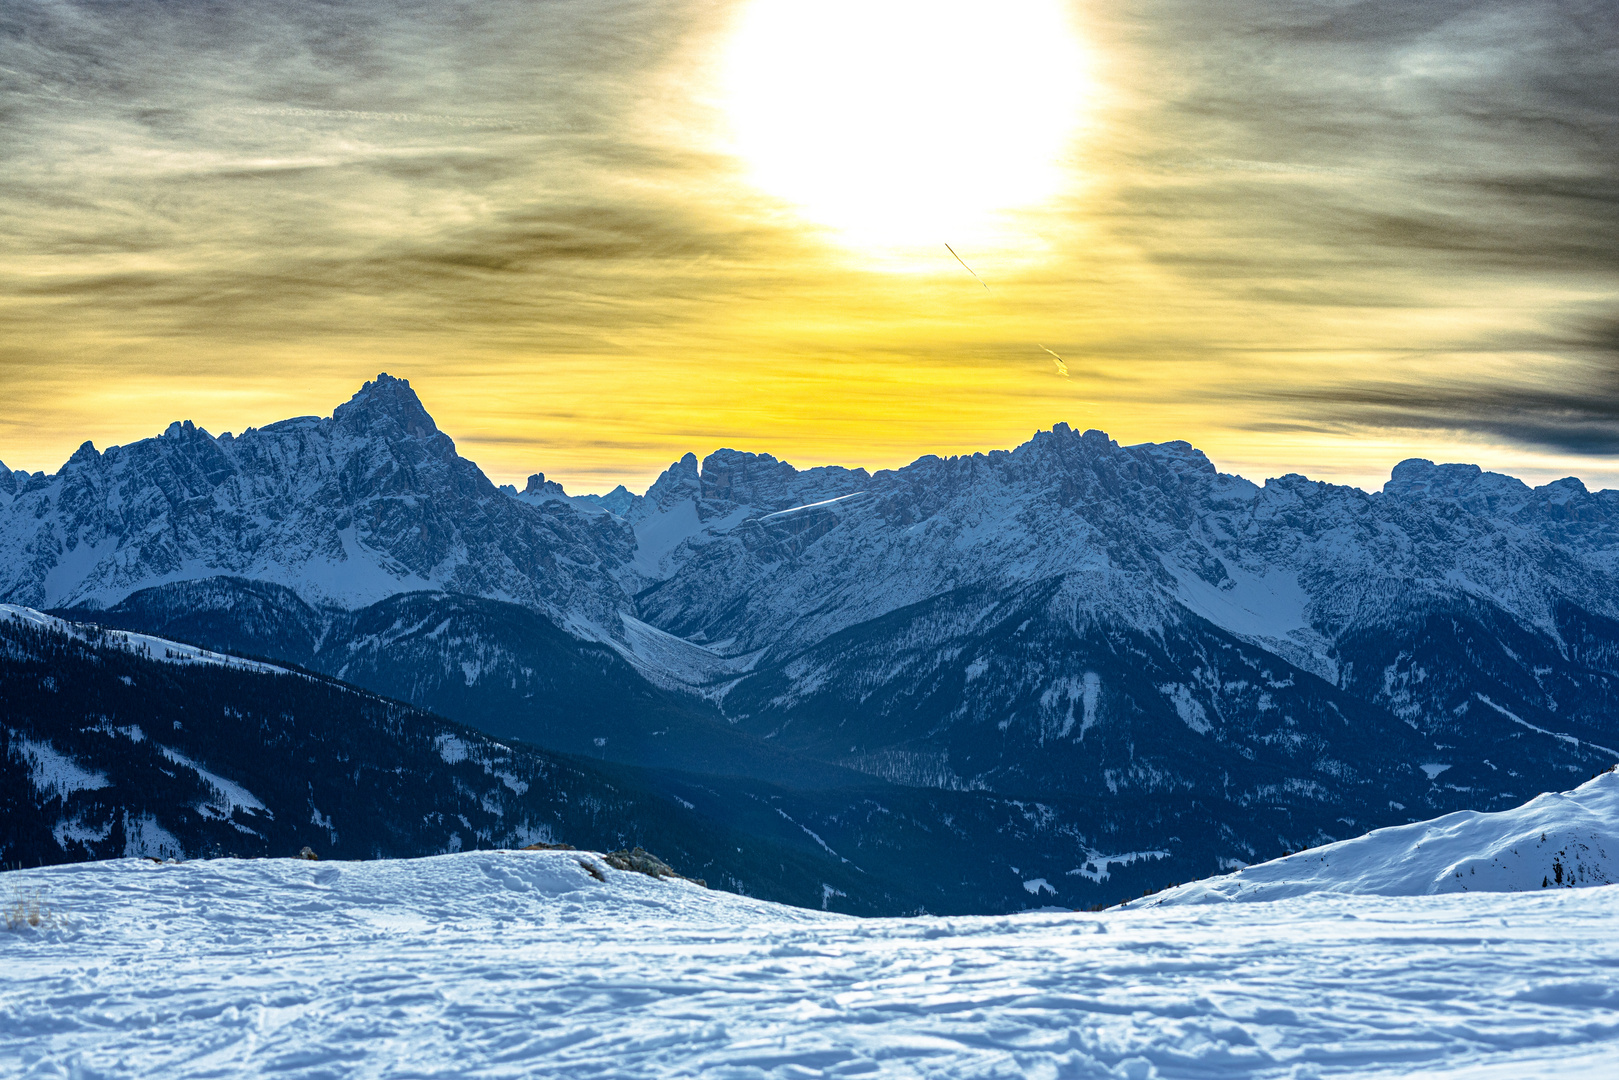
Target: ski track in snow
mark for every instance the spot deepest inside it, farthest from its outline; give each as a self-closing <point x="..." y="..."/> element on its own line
<point x="521" y="964"/>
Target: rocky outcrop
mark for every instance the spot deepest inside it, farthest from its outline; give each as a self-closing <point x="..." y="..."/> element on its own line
<point x="641" y="861"/>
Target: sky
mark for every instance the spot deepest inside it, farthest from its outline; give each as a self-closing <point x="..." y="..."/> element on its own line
<point x="1315" y="236"/>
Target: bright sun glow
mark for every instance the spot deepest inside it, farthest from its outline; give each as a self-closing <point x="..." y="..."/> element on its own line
<point x="906" y="122"/>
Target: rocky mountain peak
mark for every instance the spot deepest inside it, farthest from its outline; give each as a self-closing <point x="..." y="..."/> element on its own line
<point x="679" y="481"/>
<point x="763" y="482"/>
<point x="1560" y="491"/>
<point x="1469" y="485"/>
<point x="619" y="500"/>
<point x="1180" y="457"/>
<point x="371" y="502"/>
<point x="382" y="404"/>
<point x="735" y="475"/>
<point x="540" y="487"/>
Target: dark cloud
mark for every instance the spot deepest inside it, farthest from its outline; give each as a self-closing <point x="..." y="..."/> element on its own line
<point x="1573" y="411"/>
<point x="1371" y="21"/>
<point x="1388" y="155"/>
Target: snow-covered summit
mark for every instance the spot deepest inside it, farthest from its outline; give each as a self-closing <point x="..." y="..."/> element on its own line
<point x="1556" y="840"/>
<point x="618" y="501"/>
<point x="537" y="490"/>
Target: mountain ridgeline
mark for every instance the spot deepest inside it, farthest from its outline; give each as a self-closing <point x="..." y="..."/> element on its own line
<point x="1058" y="674"/>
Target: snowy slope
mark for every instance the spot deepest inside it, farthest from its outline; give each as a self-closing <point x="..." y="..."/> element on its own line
<point x="1556" y="840"/>
<point x="146" y="645"/>
<point x="523" y="964"/>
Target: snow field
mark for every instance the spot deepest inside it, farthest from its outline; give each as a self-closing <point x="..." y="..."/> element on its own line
<point x="521" y="964"/>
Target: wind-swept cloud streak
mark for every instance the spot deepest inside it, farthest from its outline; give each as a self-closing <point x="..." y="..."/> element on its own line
<point x="1575" y="411"/>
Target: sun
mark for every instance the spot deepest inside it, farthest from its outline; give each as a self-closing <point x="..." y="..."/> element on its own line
<point x="898" y="123"/>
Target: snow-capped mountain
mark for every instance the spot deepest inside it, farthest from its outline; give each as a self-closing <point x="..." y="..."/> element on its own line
<point x="1142" y="534"/>
<point x="345" y="510"/>
<point x="1120" y="633"/>
<point x="1079" y="616"/>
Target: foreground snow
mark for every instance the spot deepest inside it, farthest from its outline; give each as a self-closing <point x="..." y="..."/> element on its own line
<point x="524" y="964"/>
<point x="1562" y="839"/>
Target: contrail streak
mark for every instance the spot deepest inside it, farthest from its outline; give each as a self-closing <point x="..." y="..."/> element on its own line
<point x="965" y="267"/>
<point x="1062" y="368"/>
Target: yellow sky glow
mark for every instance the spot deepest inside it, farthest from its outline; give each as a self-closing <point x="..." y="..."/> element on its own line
<point x="596" y="236"/>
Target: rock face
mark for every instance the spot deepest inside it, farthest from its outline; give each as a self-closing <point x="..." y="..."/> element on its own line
<point x="346" y="510"/>
<point x="1121" y="636"/>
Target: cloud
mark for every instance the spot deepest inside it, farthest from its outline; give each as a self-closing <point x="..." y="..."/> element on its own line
<point x="1444" y="135"/>
<point x="1394" y="190"/>
<point x="273" y="153"/>
<point x="1575" y="413"/>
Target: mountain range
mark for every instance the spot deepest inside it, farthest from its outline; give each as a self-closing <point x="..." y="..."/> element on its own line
<point x="1073" y="670"/>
